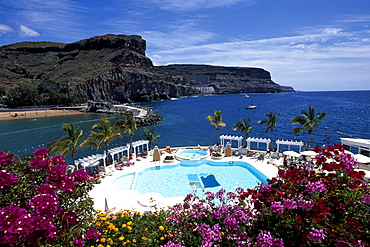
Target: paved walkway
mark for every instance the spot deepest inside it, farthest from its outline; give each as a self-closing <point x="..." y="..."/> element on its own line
<point x="142" y="113"/>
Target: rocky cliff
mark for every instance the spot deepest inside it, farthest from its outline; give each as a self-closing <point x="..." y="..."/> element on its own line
<point x="226" y="79"/>
<point x="113" y="68"/>
<point x="109" y="68"/>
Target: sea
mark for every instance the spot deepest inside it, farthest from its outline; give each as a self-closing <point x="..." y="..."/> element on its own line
<point x="184" y="121"/>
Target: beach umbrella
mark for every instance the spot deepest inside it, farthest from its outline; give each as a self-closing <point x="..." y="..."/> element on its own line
<point x="156" y="154"/>
<point x="228" y="150"/>
<point x="362" y="158"/>
<point x="150" y="199"/>
<point x="291" y="153"/>
<point x="308" y="153"/>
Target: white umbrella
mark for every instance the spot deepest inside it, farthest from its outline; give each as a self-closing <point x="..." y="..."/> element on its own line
<point x="150" y="199"/>
<point x="362" y="158"/>
<point x="291" y="153"/>
<point x="308" y="153"/>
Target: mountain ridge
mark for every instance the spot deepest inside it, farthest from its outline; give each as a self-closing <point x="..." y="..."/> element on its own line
<point x="106" y="68"/>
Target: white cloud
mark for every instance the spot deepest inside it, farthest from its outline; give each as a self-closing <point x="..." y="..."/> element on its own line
<point x="195" y="4"/>
<point x="27" y="32"/>
<point x="5" y="29"/>
<point x="182" y="35"/>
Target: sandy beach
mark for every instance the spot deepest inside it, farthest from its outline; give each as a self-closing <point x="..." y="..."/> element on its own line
<point x="22" y="114"/>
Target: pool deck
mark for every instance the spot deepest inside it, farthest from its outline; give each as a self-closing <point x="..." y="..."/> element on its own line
<point x="106" y="196"/>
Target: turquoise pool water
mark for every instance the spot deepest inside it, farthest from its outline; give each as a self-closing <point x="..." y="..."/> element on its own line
<point x="192" y="154"/>
<point x="186" y="177"/>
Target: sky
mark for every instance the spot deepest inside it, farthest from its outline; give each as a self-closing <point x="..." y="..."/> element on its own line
<point x="311" y="45"/>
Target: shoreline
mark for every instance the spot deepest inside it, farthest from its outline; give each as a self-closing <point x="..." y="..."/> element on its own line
<point x="16" y="114"/>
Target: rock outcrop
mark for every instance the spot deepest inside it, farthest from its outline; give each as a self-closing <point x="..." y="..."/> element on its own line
<point x="143" y="115"/>
<point x="107" y="68"/>
<point x="226" y="80"/>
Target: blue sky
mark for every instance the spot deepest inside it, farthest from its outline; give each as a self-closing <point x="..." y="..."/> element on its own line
<point x="311" y="45"/>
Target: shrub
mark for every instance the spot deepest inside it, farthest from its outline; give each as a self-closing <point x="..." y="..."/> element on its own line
<point x="41" y="202"/>
<point x="216" y="155"/>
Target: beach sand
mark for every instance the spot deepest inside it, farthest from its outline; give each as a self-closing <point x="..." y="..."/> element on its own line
<point x="18" y="114"/>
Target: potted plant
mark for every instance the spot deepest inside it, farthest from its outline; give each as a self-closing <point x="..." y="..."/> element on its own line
<point x="217" y="156"/>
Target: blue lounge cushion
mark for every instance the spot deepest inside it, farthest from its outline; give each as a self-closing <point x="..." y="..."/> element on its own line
<point x="209" y="181"/>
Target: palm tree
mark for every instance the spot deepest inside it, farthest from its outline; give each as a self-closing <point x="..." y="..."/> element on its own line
<point x="308" y="121"/>
<point x="150" y="136"/>
<point x="128" y="124"/>
<point x="69" y="143"/>
<point x="244" y="126"/>
<point x="216" y="121"/>
<point x="270" y="123"/>
<point x="106" y="134"/>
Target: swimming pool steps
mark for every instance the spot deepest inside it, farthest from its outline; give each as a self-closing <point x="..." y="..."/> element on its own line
<point x="134" y="180"/>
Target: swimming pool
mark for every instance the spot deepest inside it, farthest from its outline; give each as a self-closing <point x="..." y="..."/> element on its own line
<point x="192" y="154"/>
<point x="183" y="178"/>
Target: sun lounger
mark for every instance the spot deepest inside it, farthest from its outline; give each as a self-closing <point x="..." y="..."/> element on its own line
<point x="209" y="181"/>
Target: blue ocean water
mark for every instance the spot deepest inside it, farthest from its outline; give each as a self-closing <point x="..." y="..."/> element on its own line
<point x="184" y="120"/>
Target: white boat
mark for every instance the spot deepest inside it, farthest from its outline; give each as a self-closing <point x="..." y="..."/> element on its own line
<point x="250" y="107"/>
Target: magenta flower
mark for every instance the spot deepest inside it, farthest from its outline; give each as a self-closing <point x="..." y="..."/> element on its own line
<point x="316" y="235"/>
<point x="41" y="152"/>
<point x="93" y="234"/>
<point x="59" y="160"/>
<point x="306" y="204"/>
<point x="289" y="204"/>
<point x="210" y="234"/>
<point x="40" y="163"/>
<point x="277" y="207"/>
<point x="366" y="199"/>
<point x="44" y="204"/>
<point x="264" y="239"/>
<point x="14" y="223"/>
<point x="5" y="158"/>
<point x="317" y="187"/>
<point x="7" y="179"/>
<point x="80" y="175"/>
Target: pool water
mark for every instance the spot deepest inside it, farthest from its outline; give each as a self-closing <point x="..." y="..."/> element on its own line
<point x="185" y="177"/>
<point x="192" y="154"/>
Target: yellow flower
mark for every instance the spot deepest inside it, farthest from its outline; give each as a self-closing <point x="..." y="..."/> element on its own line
<point x="129" y="223"/>
<point x="102" y="240"/>
<point x="161" y="228"/>
<point x="162" y="238"/>
<point x="146" y="229"/>
<point x="121" y="238"/>
<point x="129" y="228"/>
<point x="100" y="245"/>
<point x="124" y="226"/>
<point x="144" y="238"/>
<point x="98" y="224"/>
<point x="134" y="240"/>
<point x="103" y="218"/>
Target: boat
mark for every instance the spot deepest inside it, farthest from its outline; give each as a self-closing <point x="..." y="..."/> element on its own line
<point x="251" y="106"/>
